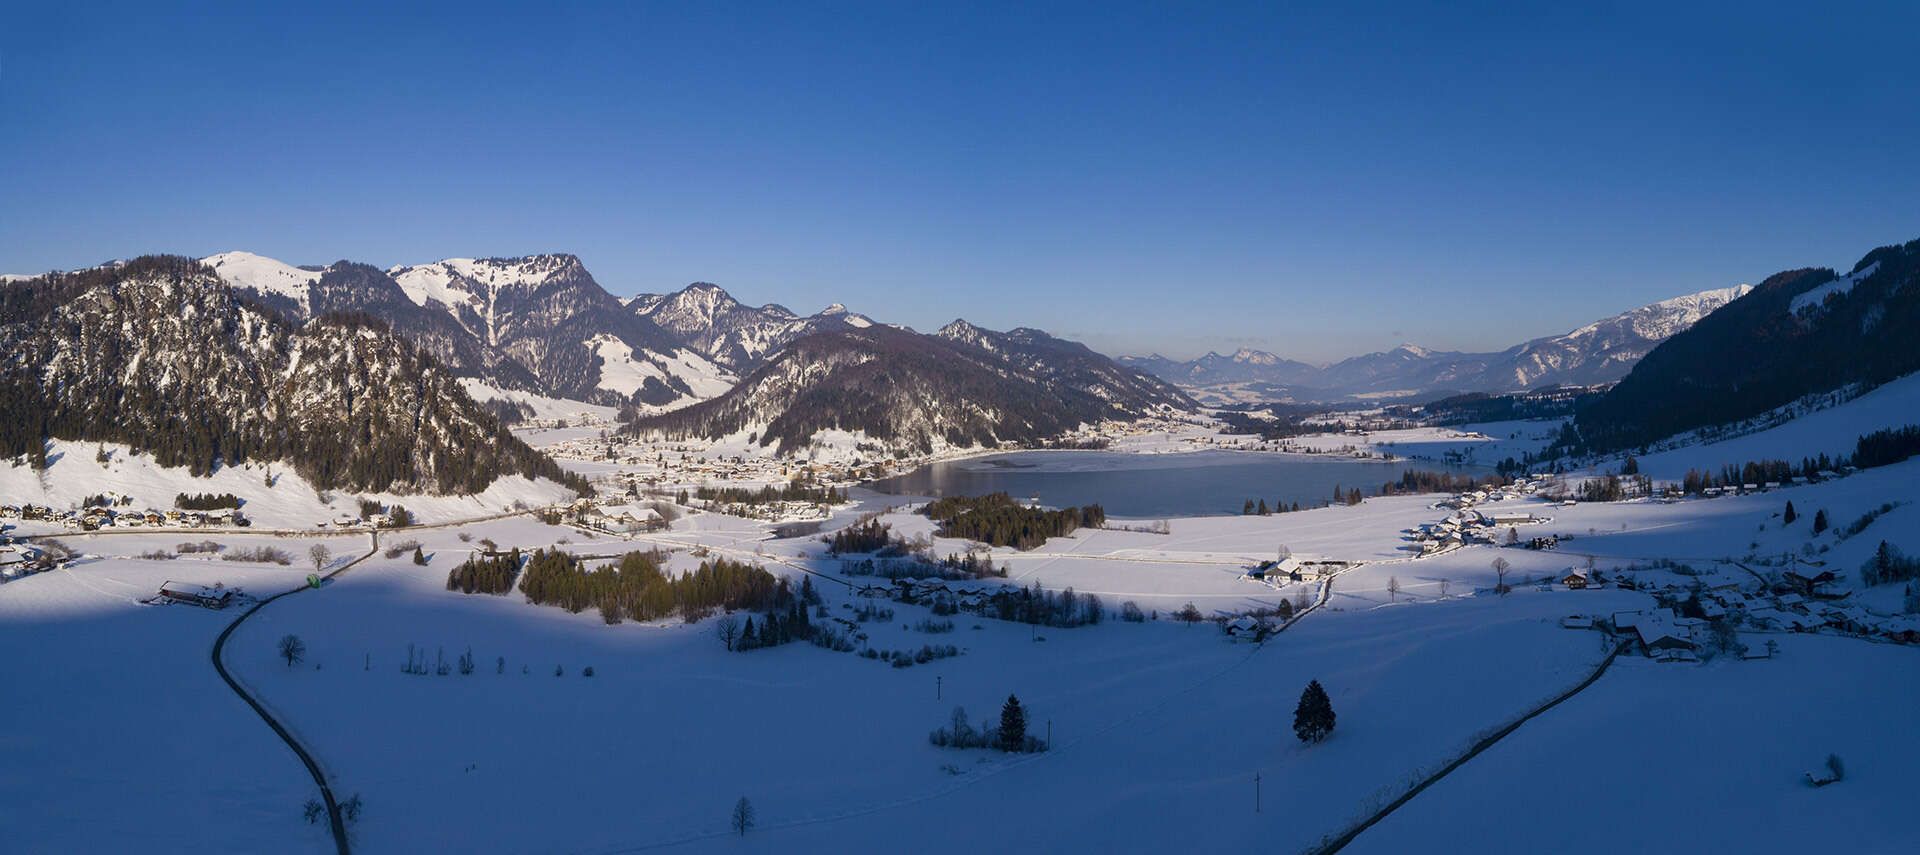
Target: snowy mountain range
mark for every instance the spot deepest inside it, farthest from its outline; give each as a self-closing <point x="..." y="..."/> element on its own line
<point x="893" y="390"/>
<point x="704" y="317"/>
<point x="162" y="355"/>
<point x="1600" y="352"/>
<point x="537" y="323"/>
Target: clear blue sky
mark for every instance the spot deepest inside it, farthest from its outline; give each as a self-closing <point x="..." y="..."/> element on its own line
<point x="1185" y="177"/>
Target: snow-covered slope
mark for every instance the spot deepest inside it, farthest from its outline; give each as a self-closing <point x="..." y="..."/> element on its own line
<point x="263" y="274"/>
<point x="1831" y="431"/>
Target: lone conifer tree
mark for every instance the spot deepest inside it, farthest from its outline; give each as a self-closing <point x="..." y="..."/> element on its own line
<point x="1013" y="725"/>
<point x="1791" y="515"/>
<point x="1313" y="718"/>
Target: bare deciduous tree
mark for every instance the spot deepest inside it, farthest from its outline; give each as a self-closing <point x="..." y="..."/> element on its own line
<point x="321" y="556"/>
<point x="742" y="816"/>
<point x="728" y="630"/>
<point x="292" y="649"/>
<point x="1500" y="568"/>
<point x="1393" y="589"/>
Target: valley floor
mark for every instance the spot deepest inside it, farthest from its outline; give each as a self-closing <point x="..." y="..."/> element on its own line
<point x="1159" y="729"/>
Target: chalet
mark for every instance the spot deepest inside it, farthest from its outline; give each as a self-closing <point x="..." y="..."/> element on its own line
<point x="874" y="591"/>
<point x="1576" y="622"/>
<point x="1576" y="580"/>
<point x="1507" y="517"/>
<point x="1806" y="584"/>
<point x="198" y="595"/>
<point x="1655" y="636"/>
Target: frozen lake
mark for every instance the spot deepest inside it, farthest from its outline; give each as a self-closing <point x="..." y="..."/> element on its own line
<point x="1154" y="485"/>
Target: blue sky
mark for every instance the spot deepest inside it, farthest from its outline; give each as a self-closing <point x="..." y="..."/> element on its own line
<point x="1315" y="181"/>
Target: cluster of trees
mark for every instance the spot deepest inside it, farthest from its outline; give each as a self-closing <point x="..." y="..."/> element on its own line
<point x="485" y="574"/>
<point x="794" y="491"/>
<point x="1262" y="509"/>
<point x="1887" y="446"/>
<point x="971" y="565"/>
<point x="1009" y="735"/>
<point x="869" y="535"/>
<point x="1427" y="481"/>
<point x="205" y="501"/>
<point x="778" y="625"/>
<point x="1889" y="564"/>
<point x="635" y="587"/>
<point x="1750" y="472"/>
<point x="909" y="658"/>
<point x="1038" y="605"/>
<point x="999" y="520"/>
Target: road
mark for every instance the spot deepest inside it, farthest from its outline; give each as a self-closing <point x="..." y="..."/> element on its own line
<point x="334" y="819"/>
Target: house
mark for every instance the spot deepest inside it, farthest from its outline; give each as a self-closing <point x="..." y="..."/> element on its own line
<point x="1656" y="636"/>
<point x="198" y="595"/>
<point x="1808" y="583"/>
<point x="1575" y="581"/>
<point x="1507" y="517"/>
<point x="1576" y="622"/>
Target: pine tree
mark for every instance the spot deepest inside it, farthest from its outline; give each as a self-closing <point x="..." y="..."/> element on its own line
<point x="1263" y="509"/>
<point x="1013" y="725"/>
<point x="1791" y="515"/>
<point x="1247" y="509"/>
<point x="419" y="557"/>
<point x="1313" y="718"/>
<point x="1820" y="521"/>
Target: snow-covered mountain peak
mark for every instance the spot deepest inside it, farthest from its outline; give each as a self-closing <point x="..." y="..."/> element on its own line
<point x="1249" y="356"/>
<point x="262" y="274"/>
<point x="476" y="281"/>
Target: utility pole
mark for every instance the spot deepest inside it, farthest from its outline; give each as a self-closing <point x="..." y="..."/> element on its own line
<point x="936" y="688"/>
<point x="1256" y="792"/>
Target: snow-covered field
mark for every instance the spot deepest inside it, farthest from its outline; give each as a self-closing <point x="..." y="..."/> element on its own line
<point x="114" y="725"/>
<point x="1657" y="758"/>
<point x="1159" y="728"/>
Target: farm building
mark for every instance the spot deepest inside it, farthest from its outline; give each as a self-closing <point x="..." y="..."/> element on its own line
<point x="198" y="595"/>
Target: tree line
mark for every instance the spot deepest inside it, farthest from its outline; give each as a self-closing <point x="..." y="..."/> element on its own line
<point x="998" y="520"/>
<point x="793" y="491"/>
<point x="205" y="501"/>
<point x="636" y="587"/>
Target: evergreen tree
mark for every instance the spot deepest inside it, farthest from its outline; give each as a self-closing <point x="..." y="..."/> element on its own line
<point x="1791" y="515"/>
<point x="1820" y="521"/>
<point x="1264" y="510"/>
<point x="419" y="557"/>
<point x="1013" y="725"/>
<point x="1313" y="718"/>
